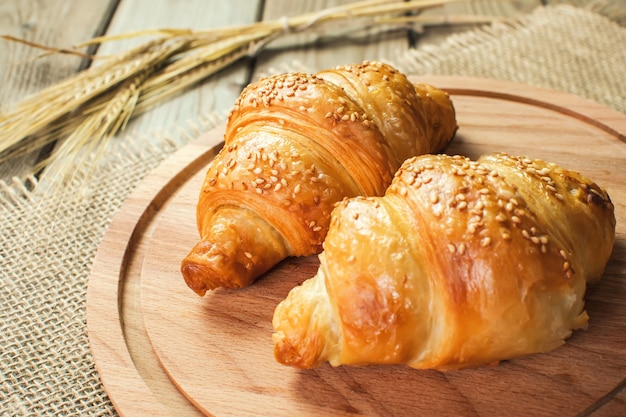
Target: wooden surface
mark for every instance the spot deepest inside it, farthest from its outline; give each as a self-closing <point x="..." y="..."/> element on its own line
<point x="161" y="349"/>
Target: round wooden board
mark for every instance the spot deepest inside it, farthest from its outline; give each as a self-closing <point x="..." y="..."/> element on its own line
<point x="162" y="350"/>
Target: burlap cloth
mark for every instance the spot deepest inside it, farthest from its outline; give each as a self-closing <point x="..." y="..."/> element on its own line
<point x="47" y="242"/>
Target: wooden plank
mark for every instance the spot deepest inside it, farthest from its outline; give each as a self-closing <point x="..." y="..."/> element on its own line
<point x="429" y="34"/>
<point x="215" y="95"/>
<point x="21" y="74"/>
<point x="316" y="52"/>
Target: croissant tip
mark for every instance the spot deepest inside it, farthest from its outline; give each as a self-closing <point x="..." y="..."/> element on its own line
<point x="194" y="277"/>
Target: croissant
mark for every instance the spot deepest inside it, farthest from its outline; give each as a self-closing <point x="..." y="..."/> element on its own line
<point x="460" y="264"/>
<point x="294" y="145"/>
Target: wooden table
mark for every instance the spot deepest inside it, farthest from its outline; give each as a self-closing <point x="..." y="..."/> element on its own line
<point x="63" y="23"/>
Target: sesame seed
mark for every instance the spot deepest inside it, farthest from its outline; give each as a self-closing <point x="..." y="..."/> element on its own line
<point x="461" y="248"/>
<point x="257" y="170"/>
<point x="563" y="254"/>
<point x="451" y="248"/>
<point x="486" y="241"/>
<point x="559" y="196"/>
<point x="351" y="258"/>
<point x="500" y="218"/>
<point x="535" y="240"/>
<point x="317" y="228"/>
<point x="462" y="205"/>
<point x="525" y="234"/>
<point x="544" y="249"/>
<point x="248" y="255"/>
<point x="277" y="187"/>
<point x="566" y="266"/>
<point x="434" y="198"/>
<point x="296" y="189"/>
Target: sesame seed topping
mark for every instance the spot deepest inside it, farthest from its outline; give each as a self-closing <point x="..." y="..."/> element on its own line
<point x="486" y="241"/>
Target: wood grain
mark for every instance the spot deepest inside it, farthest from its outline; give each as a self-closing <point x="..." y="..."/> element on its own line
<point x="215" y="95"/>
<point x="315" y="52"/>
<point x="217" y="350"/>
<point x="21" y="72"/>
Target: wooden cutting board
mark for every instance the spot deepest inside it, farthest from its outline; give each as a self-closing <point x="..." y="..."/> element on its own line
<point x="162" y="350"/>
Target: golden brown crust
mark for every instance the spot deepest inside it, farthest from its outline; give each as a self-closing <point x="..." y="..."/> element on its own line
<point x="297" y="143"/>
<point x="461" y="263"/>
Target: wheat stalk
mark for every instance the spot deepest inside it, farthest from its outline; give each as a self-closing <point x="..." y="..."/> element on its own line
<point x="88" y="108"/>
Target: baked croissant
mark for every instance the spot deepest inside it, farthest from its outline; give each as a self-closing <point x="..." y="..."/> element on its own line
<point x="294" y="145"/>
<point x="461" y="263"/>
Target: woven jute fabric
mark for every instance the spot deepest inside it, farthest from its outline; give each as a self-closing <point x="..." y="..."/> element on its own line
<point x="48" y="240"/>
